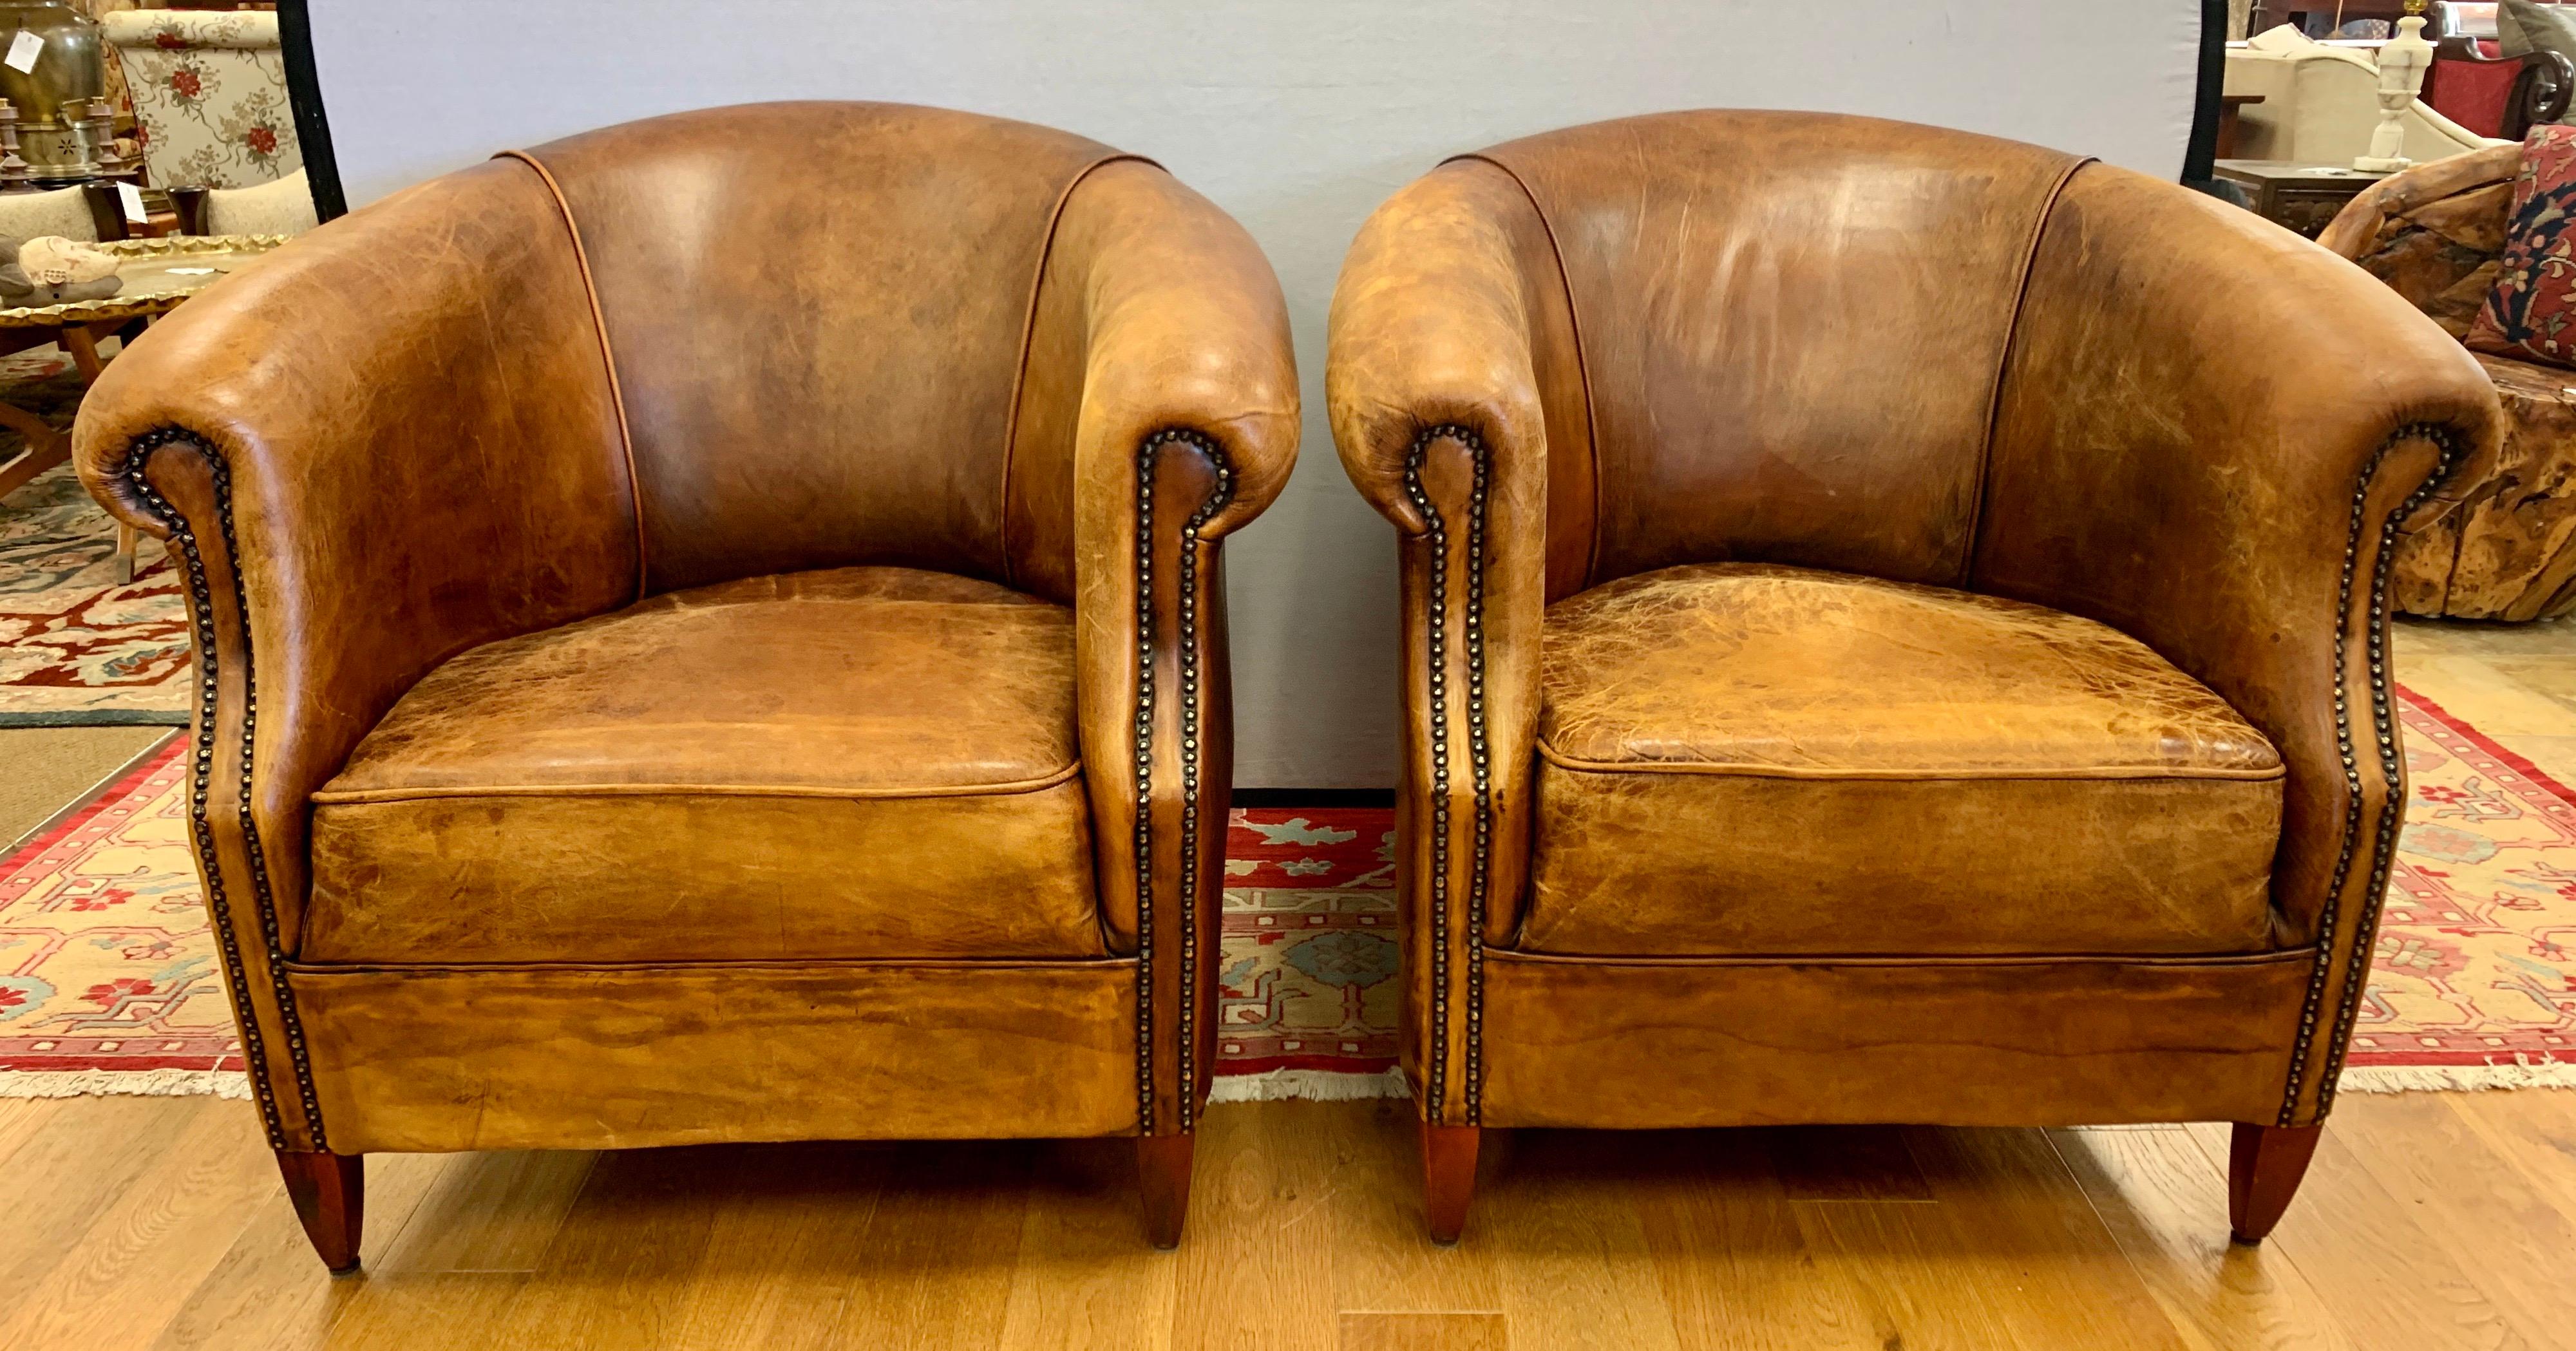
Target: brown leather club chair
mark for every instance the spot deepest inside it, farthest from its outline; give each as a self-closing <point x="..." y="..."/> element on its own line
<point x="1894" y="631"/>
<point x="711" y="630"/>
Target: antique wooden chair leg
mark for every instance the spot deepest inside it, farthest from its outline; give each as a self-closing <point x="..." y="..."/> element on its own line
<point x="330" y="1196"/>
<point x="125" y="550"/>
<point x="2264" y="1165"/>
<point x="1449" y="1177"/>
<point x="83" y="347"/>
<point x="1163" y="1167"/>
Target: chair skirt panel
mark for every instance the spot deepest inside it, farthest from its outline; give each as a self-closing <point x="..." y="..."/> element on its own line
<point x="614" y="1057"/>
<point x="1965" y="1042"/>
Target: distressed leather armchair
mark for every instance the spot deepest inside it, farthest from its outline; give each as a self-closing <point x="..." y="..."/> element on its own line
<point x="1894" y="631"/>
<point x="711" y="630"/>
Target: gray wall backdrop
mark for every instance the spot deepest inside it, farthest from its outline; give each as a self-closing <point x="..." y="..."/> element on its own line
<point x="1299" y="117"/>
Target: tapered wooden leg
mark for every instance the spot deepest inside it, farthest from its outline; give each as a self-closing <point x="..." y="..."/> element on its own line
<point x="1449" y="1177"/>
<point x="1163" y="1169"/>
<point x="330" y="1196"/>
<point x="125" y="550"/>
<point x="83" y="345"/>
<point x="2264" y="1165"/>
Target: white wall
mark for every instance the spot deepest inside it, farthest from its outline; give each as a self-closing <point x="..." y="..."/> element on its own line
<point x="1298" y="116"/>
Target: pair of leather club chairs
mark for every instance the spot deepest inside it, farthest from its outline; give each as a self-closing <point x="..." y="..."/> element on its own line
<point x="713" y="630"/>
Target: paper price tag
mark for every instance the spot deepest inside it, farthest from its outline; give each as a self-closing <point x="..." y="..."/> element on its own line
<point x="131" y="198"/>
<point x="23" y="51"/>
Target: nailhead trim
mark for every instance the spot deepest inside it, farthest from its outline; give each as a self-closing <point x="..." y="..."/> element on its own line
<point x="1437" y="536"/>
<point x="201" y="612"/>
<point x="1190" y="730"/>
<point x="2384" y="725"/>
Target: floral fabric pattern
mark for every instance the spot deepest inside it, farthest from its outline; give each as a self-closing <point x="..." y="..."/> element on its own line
<point x="209" y="96"/>
<point x="2528" y="312"/>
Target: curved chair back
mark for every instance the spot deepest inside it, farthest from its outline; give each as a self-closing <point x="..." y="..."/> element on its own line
<point x="1788" y="327"/>
<point x="818" y="315"/>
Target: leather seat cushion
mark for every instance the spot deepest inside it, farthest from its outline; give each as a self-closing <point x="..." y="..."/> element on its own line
<point x="857" y="763"/>
<point x="1742" y="760"/>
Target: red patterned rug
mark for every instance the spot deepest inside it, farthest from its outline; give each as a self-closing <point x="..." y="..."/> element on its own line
<point x="108" y="983"/>
<point x="78" y="647"/>
<point x="2473" y="984"/>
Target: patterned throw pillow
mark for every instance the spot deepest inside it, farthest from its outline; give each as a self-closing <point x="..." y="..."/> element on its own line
<point x="2531" y="313"/>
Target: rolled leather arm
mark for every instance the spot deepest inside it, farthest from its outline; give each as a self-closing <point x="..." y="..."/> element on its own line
<point x="1436" y="412"/>
<point x="1429" y="329"/>
<point x="1187" y="429"/>
<point x="391" y="441"/>
<point x="2212" y="435"/>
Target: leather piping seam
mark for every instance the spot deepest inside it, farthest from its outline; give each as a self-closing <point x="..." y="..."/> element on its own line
<point x="1732" y="769"/>
<point x="608" y="358"/>
<point x="2003" y="365"/>
<point x="1436" y="536"/>
<point x="138" y="455"/>
<point x="1028" y="338"/>
<point x="788" y="964"/>
<point x="1187" y="897"/>
<point x="2446" y="442"/>
<point x="2285" y="956"/>
<point x="366" y="796"/>
<point x="1582" y="363"/>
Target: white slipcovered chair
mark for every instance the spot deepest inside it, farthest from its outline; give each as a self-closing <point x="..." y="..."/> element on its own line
<point x="2320" y="103"/>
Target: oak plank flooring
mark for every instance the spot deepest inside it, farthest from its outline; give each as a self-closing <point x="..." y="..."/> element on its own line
<point x="2429" y="1221"/>
<point x="2530" y="1131"/>
<point x="258" y="1294"/>
<point x="2152" y="1190"/>
<point x="1082" y="1277"/>
<point x="932" y="1266"/>
<point x="131" y="1268"/>
<point x="625" y="1258"/>
<point x="83" y="1154"/>
<point x="1380" y="1262"/>
<point x="1424" y="1332"/>
<point x="1560" y="1225"/>
<point x="1256" y="1258"/>
<point x="482" y="1213"/>
<point x="2387" y="1280"/>
<point x="2468" y="1197"/>
<point x="1737" y="1269"/>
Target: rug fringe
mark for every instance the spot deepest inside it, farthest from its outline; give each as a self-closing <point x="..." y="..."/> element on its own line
<point x="107" y="1083"/>
<point x="1312" y="1085"/>
<point x="2523" y="1073"/>
<point x="1272" y="1085"/>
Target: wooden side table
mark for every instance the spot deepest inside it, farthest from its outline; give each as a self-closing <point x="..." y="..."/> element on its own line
<point x="2301" y="197"/>
<point x="2230" y="105"/>
<point x="159" y="274"/>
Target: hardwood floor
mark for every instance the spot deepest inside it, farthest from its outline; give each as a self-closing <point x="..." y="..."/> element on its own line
<point x="2430" y="1221"/>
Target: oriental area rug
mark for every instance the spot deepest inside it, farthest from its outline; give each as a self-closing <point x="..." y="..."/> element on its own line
<point x="108" y="981"/>
<point x="78" y="647"/>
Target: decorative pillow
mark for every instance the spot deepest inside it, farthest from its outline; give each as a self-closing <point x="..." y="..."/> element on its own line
<point x="2526" y="25"/>
<point x="2531" y="313"/>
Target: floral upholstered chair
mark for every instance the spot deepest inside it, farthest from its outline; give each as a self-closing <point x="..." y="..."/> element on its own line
<point x="209" y="94"/>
